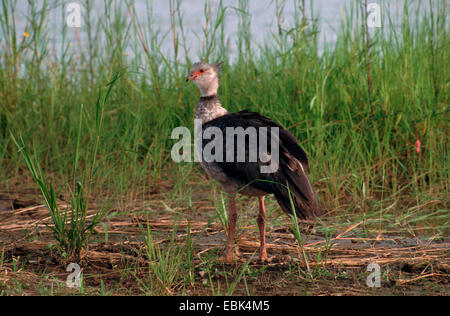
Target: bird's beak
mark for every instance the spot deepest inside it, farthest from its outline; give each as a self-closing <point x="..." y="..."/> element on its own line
<point x="190" y="77"/>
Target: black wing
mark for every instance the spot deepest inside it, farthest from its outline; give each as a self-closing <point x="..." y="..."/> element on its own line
<point x="288" y="182"/>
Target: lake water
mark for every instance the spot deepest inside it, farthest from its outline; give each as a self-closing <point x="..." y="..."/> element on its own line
<point x="262" y="12"/>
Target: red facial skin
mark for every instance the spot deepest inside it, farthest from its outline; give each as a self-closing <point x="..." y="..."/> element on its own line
<point x="195" y="75"/>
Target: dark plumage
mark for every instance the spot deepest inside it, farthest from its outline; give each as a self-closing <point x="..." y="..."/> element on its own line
<point x="293" y="163"/>
<point x="287" y="181"/>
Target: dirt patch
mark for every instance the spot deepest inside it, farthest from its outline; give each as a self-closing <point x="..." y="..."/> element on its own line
<point x="116" y="260"/>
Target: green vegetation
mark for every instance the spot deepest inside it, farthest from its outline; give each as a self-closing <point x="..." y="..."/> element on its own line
<point x="93" y="117"/>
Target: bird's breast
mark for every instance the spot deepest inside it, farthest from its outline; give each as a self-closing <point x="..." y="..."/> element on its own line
<point x="207" y="111"/>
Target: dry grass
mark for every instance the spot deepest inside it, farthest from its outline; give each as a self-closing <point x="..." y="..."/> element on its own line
<point x="116" y="255"/>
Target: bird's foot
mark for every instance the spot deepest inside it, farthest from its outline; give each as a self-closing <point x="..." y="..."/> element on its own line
<point x="228" y="255"/>
<point x="264" y="258"/>
<point x="226" y="259"/>
<point x="231" y="253"/>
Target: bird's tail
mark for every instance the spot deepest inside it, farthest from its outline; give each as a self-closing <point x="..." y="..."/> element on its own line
<point x="298" y="193"/>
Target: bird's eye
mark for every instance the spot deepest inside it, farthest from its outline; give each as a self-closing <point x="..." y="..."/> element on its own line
<point x="202" y="70"/>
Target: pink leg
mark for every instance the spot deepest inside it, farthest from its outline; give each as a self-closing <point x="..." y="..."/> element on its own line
<point x="232" y="217"/>
<point x="262" y="229"/>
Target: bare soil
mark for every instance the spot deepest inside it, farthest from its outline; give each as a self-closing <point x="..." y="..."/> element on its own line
<point x="116" y="256"/>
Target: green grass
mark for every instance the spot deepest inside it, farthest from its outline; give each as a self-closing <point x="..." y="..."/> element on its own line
<point x="71" y="229"/>
<point x="357" y="106"/>
<point x="361" y="140"/>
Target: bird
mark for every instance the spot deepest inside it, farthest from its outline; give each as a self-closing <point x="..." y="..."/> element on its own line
<point x="287" y="179"/>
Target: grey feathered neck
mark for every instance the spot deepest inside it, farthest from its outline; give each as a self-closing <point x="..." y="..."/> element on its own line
<point x="209" y="108"/>
<point x="209" y="98"/>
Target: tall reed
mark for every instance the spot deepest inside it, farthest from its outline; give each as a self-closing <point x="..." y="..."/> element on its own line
<point x="370" y="108"/>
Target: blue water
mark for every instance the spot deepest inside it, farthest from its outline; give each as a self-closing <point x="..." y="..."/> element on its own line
<point x="262" y="13"/>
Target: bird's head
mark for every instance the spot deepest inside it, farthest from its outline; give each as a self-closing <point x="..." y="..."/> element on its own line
<point x="206" y="77"/>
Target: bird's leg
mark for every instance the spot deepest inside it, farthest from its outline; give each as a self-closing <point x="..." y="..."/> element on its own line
<point x="262" y="229"/>
<point x="232" y="217"/>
